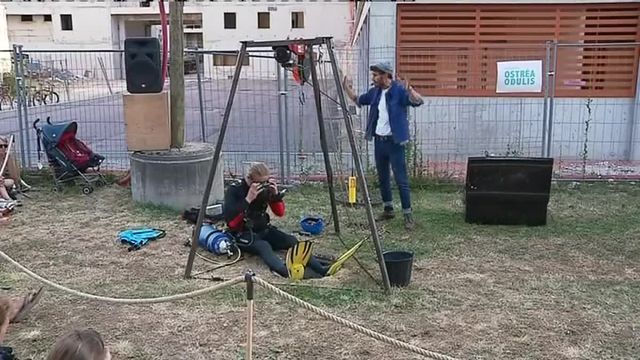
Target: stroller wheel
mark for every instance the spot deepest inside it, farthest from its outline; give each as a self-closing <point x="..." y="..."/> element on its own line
<point x="87" y="190"/>
<point x="57" y="189"/>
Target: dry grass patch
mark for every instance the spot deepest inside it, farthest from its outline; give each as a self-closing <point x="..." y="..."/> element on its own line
<point x="564" y="291"/>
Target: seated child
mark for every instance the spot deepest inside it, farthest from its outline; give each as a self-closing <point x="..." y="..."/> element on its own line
<point x="86" y="344"/>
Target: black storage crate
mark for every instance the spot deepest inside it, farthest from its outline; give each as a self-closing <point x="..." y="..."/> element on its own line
<point x="508" y="190"/>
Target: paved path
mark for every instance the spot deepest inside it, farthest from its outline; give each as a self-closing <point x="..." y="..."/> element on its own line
<point x="253" y="127"/>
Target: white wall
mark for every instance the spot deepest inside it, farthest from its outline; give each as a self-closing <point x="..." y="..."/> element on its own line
<point x="91" y="31"/>
<point x="326" y="18"/>
<point x="320" y="19"/>
<point x="37" y="31"/>
<point x="610" y="121"/>
<point x="95" y="27"/>
<point x="453" y="128"/>
<point x="634" y="132"/>
<point x="5" y="57"/>
<point x="135" y="28"/>
<point x="91" y="25"/>
<point x="91" y="28"/>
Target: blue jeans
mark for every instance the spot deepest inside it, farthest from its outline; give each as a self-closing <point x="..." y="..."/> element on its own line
<point x="389" y="154"/>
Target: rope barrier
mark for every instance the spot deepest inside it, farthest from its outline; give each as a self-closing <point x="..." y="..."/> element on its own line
<point x="156" y="300"/>
<point x="351" y="325"/>
<point x="248" y="278"/>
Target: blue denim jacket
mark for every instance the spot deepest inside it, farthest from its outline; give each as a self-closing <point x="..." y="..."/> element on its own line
<point x="397" y="102"/>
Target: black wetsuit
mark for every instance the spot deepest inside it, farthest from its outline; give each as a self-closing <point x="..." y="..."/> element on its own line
<point x="250" y="224"/>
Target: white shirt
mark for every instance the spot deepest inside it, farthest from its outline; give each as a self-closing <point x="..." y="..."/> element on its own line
<point x="382" y="127"/>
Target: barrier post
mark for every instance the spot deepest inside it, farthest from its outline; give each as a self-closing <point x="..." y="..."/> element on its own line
<point x="248" y="278"/>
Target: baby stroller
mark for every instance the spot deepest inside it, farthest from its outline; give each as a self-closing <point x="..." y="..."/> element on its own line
<point x="69" y="157"/>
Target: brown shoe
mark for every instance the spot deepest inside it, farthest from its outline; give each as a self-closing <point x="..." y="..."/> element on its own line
<point x="386" y="215"/>
<point x="409" y="223"/>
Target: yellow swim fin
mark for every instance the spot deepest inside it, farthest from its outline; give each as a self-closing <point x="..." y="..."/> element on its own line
<point x="298" y="258"/>
<point x="337" y="265"/>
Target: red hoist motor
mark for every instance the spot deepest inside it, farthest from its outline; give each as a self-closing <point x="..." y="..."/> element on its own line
<point x="284" y="56"/>
<point x="299" y="74"/>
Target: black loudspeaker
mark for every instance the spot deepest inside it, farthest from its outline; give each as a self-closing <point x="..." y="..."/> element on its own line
<point x="143" y="65"/>
<point x="508" y="191"/>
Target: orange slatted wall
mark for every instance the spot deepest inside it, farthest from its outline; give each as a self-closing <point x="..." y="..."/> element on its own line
<point x="451" y="50"/>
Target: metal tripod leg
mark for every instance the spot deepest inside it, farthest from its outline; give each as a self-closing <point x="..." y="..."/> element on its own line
<point x="359" y="168"/>
<point x="215" y="161"/>
<point x="323" y="139"/>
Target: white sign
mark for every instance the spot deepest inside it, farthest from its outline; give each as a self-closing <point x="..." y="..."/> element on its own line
<point x="519" y="76"/>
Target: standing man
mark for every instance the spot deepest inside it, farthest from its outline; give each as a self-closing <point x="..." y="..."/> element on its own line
<point x="388" y="126"/>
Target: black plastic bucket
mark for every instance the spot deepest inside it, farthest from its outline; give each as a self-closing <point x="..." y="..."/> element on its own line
<point x="398" y="264"/>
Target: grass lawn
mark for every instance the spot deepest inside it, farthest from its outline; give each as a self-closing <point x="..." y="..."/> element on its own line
<point x="568" y="290"/>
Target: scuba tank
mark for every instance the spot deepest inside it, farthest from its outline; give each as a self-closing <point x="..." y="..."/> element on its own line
<point x="215" y="240"/>
<point x="6" y="353"/>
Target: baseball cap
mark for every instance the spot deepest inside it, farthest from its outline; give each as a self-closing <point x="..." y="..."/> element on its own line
<point x="383" y="67"/>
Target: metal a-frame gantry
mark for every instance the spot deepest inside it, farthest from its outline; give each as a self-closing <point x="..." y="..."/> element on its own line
<point x="309" y="45"/>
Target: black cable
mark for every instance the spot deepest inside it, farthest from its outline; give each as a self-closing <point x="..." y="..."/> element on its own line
<point x="325" y="94"/>
<point x="321" y="92"/>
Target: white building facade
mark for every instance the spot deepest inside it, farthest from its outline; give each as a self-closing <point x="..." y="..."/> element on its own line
<point x="211" y="25"/>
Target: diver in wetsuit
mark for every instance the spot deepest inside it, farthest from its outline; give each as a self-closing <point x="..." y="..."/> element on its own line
<point x="245" y="212"/>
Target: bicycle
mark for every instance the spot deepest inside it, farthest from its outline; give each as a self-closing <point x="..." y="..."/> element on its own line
<point x="47" y="94"/>
<point x="6" y="97"/>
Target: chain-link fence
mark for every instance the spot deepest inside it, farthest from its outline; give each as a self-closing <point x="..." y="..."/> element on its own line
<point x="273" y="118"/>
<point x="64" y="86"/>
<point x="585" y="120"/>
<point x="593" y="110"/>
<point x="87" y="87"/>
<point x="463" y="115"/>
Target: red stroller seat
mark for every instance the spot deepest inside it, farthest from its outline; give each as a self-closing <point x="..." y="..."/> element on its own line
<point x="75" y="150"/>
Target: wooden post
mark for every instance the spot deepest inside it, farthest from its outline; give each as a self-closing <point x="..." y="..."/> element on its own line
<point x="248" y="278"/>
<point x="176" y="72"/>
